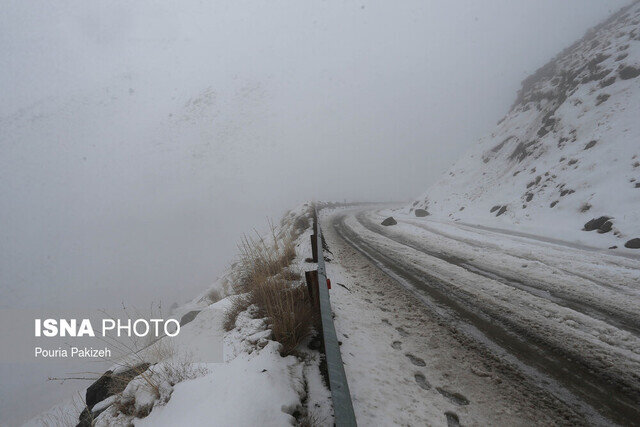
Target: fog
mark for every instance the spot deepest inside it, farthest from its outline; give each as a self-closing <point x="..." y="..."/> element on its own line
<point x="139" y="140"/>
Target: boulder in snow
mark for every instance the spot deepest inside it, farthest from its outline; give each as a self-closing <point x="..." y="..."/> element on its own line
<point x="633" y="243"/>
<point x="389" y="221"/>
<point x="421" y="212"/>
<point x="596" y="223"/>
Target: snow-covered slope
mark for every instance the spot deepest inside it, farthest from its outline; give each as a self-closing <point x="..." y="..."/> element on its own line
<point x="568" y="150"/>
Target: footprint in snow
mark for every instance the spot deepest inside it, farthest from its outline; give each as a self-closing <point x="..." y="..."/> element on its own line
<point x="452" y="419"/>
<point x="454" y="397"/>
<point x="397" y="345"/>
<point x="422" y="381"/>
<point x="416" y="360"/>
<point x="402" y="332"/>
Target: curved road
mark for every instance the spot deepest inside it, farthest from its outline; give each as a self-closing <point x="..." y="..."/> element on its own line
<point x="496" y="301"/>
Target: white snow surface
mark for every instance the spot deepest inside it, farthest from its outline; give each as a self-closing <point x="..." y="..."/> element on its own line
<point x="567" y="152"/>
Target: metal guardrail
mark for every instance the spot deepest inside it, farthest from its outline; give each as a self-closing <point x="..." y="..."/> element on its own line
<point x="340" y="396"/>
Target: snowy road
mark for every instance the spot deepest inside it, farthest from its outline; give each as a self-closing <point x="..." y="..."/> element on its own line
<point x="563" y="320"/>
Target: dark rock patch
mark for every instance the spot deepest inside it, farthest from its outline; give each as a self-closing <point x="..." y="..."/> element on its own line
<point x="396" y="345"/>
<point x="107" y="385"/>
<point x="421" y="213"/>
<point x="637" y="185"/>
<point x="613" y="247"/>
<point x="607" y="82"/>
<point x="555" y="202"/>
<point x="602" y="98"/>
<point x="566" y="192"/>
<point x="629" y="72"/>
<point x="596" y="223"/>
<point x="529" y="197"/>
<point x="495" y="208"/>
<point x="522" y="151"/>
<point x="99" y="390"/>
<point x="501" y="211"/>
<point x="606" y="227"/>
<point x="389" y="221"/>
<point x="573" y="161"/>
<point x="622" y="56"/>
<point x="633" y="243"/>
<point x="585" y="207"/>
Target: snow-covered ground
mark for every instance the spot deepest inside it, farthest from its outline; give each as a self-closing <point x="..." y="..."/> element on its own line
<point x="567" y="152"/>
<point x="541" y="308"/>
<point x="207" y="376"/>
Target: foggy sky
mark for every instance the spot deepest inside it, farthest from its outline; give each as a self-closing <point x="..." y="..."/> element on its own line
<point x="138" y="140"/>
<point x="113" y="188"/>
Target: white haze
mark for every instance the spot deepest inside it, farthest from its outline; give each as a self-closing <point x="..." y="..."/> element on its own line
<point x="115" y="186"/>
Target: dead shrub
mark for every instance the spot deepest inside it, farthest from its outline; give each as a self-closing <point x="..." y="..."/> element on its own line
<point x="265" y="281"/>
<point x="288" y="310"/>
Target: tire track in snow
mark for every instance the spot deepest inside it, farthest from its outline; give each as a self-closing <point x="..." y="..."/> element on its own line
<point x="624" y="321"/>
<point x="601" y="399"/>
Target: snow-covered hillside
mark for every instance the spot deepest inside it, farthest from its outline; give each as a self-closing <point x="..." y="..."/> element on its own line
<point x="566" y="153"/>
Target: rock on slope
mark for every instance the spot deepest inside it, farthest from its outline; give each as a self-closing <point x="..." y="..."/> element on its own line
<point x="568" y="150"/>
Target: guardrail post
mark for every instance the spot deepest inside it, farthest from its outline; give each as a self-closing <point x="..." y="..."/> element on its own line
<point x="314" y="248"/>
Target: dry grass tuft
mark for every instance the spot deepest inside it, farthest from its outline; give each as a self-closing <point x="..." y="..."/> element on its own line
<point x="267" y="281"/>
<point x="288" y="310"/>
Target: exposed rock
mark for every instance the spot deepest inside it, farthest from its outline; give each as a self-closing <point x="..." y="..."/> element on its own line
<point x="633" y="243"/>
<point x="109" y="384"/>
<point x="99" y="390"/>
<point x="555" y="202"/>
<point x="629" y="72"/>
<point x="596" y="223"/>
<point x="389" y="221"/>
<point x="602" y="98"/>
<point x="606" y="227"/>
<point x="495" y="208"/>
<point x="501" y="211"/>
<point x="421" y="213"/>
<point x="607" y="82"/>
